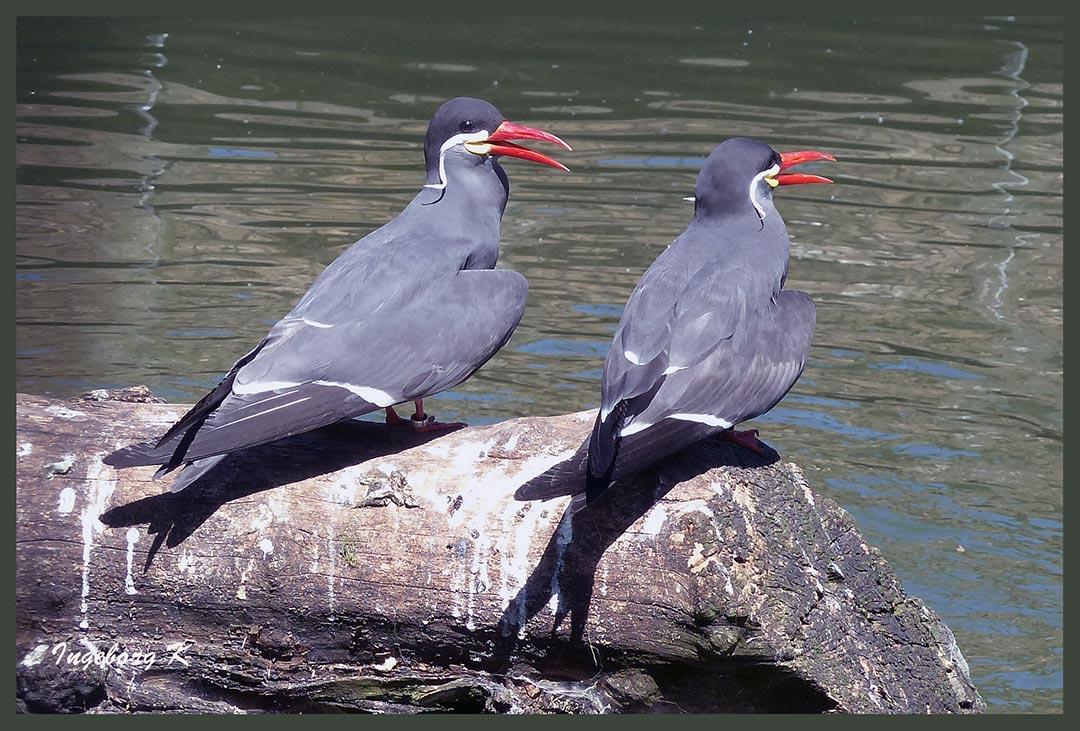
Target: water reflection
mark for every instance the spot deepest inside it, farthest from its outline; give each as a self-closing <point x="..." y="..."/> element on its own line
<point x="180" y="184"/>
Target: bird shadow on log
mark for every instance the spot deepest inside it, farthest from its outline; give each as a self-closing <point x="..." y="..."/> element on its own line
<point x="568" y="565"/>
<point x="172" y="517"/>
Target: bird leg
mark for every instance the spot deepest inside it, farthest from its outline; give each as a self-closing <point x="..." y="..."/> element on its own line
<point x="747" y="438"/>
<point x="420" y="421"/>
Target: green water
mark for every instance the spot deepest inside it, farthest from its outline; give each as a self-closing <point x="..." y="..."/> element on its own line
<point x="180" y="183"/>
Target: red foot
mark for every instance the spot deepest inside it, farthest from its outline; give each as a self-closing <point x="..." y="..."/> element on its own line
<point x="747" y="438"/>
<point x="422" y="425"/>
<point x="430" y="425"/>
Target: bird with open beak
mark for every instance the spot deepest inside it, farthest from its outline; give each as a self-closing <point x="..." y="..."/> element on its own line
<point x="410" y="310"/>
<point x="709" y="338"/>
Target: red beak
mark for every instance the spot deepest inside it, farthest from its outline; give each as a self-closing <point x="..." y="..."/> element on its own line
<point x="501" y="145"/>
<point x="791" y="159"/>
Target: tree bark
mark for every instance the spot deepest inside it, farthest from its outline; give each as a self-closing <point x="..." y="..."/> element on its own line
<point x="364" y="567"/>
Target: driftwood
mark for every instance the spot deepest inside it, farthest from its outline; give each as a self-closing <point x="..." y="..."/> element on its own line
<point x="365" y="567"/>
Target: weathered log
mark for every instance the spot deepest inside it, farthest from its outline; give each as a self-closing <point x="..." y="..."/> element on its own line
<point x="365" y="567"/>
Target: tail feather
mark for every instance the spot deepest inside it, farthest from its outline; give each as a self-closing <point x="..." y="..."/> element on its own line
<point x="194" y="471"/>
<point x="604" y="450"/>
<point x="169" y="455"/>
<point x="206" y="405"/>
<point x="134" y="455"/>
<point x="645" y="448"/>
<point x="633" y="453"/>
<point x="565" y="478"/>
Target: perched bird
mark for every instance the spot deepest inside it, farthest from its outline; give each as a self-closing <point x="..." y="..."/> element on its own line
<point x="411" y="309"/>
<point x="709" y="337"/>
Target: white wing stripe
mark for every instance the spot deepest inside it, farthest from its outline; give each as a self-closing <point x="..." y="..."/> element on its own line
<point x="372" y="395"/>
<point x="263" y="401"/>
<point x="634" y="428"/>
<point x="369" y="394"/>
<point x="703" y="419"/>
<point x="243" y="389"/>
<point x="263" y="413"/>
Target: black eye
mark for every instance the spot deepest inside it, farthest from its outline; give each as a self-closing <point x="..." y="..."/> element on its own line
<point x="467" y="126"/>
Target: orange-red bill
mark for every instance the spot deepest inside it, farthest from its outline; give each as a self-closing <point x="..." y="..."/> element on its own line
<point x="501" y="144"/>
<point x="791" y="159"/>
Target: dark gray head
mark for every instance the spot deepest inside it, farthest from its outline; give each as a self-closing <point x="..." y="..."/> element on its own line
<point x="472" y="125"/>
<point x="739" y="176"/>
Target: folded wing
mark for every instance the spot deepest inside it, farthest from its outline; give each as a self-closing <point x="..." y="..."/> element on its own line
<point x="310" y="372"/>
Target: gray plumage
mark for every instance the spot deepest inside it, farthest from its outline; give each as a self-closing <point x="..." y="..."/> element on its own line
<point x="411" y="309"/>
<point x="709" y="337"/>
